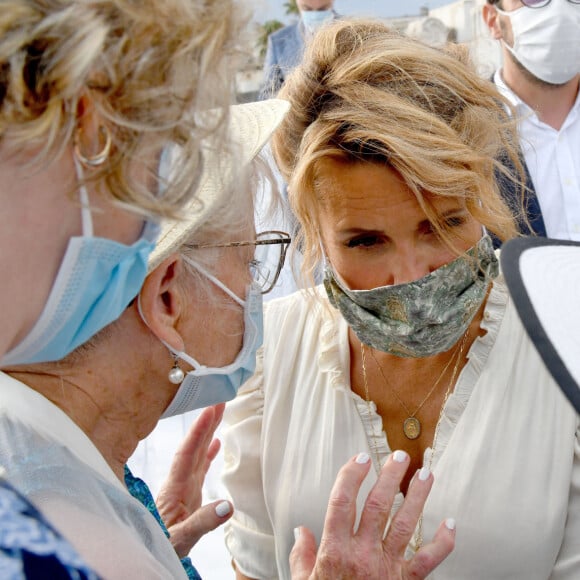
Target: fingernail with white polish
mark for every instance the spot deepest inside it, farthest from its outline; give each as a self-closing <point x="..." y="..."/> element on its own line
<point x="362" y="458"/>
<point x="400" y="456"/>
<point x="450" y="523"/>
<point x="424" y="473"/>
<point x="222" y="509"/>
<point x="296" y="533"/>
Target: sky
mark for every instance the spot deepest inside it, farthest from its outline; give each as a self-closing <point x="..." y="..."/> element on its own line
<point x="274" y="9"/>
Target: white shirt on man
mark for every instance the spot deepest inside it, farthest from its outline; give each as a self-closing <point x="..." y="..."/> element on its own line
<point x="553" y="160"/>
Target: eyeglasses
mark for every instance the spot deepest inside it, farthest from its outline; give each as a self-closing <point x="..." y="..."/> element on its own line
<point x="542" y="3"/>
<point x="269" y="256"/>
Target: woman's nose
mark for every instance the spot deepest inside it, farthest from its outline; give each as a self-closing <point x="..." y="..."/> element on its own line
<point x="410" y="265"/>
<point x="409" y="273"/>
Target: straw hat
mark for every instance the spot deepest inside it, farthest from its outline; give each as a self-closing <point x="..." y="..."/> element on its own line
<point x="543" y="277"/>
<point x="250" y="127"/>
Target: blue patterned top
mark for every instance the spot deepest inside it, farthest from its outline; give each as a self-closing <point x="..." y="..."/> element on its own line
<point x="139" y="490"/>
<point x="30" y="547"/>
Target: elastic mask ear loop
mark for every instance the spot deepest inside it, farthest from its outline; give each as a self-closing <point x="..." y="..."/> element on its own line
<point x="505" y="13"/>
<point x="223" y="287"/>
<point x="325" y="262"/>
<point x="86" y="217"/>
<point x="213" y="279"/>
<point x="508" y="15"/>
<point x="176" y="353"/>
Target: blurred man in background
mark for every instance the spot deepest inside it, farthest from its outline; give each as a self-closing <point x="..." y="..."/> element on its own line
<point x="540" y="43"/>
<point x="285" y="46"/>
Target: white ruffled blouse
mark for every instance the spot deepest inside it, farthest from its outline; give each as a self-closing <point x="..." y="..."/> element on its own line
<point x="506" y="462"/>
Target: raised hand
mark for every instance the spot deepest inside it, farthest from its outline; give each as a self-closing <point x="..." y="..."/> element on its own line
<point x="368" y="552"/>
<point x="179" y="501"/>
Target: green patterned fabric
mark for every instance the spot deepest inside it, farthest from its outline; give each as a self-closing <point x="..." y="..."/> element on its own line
<point x="420" y="318"/>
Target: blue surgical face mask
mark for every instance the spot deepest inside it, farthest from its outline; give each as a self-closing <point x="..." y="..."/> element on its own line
<point x="96" y="281"/>
<point x="205" y="386"/>
<point x="314" y="19"/>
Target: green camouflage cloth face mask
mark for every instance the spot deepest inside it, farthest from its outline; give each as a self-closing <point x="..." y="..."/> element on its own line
<point x="420" y="318"/>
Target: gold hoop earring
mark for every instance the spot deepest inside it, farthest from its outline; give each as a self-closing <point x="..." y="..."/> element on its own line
<point x="99" y="158"/>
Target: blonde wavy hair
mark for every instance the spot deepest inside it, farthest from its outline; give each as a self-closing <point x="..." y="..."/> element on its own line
<point x="365" y="93"/>
<point x="146" y="68"/>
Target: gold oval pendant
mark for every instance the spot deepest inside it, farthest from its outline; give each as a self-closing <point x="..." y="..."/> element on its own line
<point x="412" y="428"/>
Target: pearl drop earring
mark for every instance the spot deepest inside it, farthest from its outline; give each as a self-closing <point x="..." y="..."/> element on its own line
<point x="176" y="375"/>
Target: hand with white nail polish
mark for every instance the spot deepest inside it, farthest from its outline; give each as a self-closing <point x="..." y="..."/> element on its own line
<point x="179" y="501"/>
<point x="346" y="553"/>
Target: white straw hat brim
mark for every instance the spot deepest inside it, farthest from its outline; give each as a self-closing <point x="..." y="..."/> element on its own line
<point x="543" y="277"/>
<point x="250" y="127"/>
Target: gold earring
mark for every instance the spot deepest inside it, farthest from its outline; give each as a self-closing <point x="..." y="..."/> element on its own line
<point x="99" y="158"/>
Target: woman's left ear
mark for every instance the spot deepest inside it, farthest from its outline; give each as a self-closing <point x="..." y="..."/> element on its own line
<point x="161" y="301"/>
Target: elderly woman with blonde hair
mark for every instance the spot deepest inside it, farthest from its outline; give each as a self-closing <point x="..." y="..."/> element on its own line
<point x="68" y="427"/>
<point x="91" y="94"/>
<point x="390" y="150"/>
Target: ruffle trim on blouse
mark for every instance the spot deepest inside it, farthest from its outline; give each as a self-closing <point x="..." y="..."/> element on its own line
<point x="373" y="426"/>
<point x="331" y="363"/>
<point x="477" y="356"/>
<point x="379" y="449"/>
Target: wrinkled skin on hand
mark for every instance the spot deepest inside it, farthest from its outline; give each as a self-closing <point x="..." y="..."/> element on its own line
<point x="365" y="553"/>
<point x="179" y="501"/>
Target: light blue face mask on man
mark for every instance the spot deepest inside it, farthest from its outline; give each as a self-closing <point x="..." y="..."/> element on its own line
<point x="205" y="386"/>
<point x="96" y="281"/>
<point x="314" y="19"/>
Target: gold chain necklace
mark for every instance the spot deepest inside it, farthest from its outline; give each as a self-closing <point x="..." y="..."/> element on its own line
<point x="411" y="425"/>
<point x="419" y="532"/>
<point x="368" y="401"/>
<point x="457" y="355"/>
